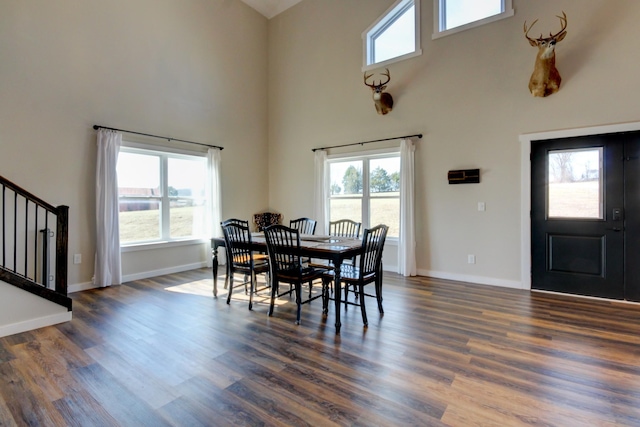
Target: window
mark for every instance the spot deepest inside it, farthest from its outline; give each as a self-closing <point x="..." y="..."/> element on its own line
<point x="366" y="189"/>
<point x="162" y="196"/>
<point x="575" y="183"/>
<point x="394" y="36"/>
<point x="452" y="16"/>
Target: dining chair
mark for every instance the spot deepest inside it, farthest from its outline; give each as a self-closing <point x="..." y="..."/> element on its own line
<point x="264" y="219"/>
<point x="257" y="257"/>
<point x="241" y="259"/>
<point x="345" y="228"/>
<point x="304" y="225"/>
<point x="368" y="270"/>
<point x="222" y="224"/>
<point x="342" y="228"/>
<point x="286" y="266"/>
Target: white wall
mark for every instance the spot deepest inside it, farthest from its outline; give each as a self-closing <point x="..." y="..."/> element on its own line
<point x="21" y="311"/>
<point x="467" y="93"/>
<point x="189" y="69"/>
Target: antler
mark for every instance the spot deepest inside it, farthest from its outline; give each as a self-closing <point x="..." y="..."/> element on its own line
<point x="366" y="77"/>
<point x="526" y="31"/>
<point x="374" y="85"/>
<point x="563" y="23"/>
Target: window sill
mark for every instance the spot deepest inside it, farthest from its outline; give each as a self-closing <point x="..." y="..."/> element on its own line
<point x="135" y="247"/>
<point x="438" y="34"/>
<point x="386" y="63"/>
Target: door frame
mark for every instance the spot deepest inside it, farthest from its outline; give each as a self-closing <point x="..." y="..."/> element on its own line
<point x="525" y="182"/>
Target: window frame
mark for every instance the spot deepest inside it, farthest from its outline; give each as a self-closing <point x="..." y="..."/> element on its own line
<point x="439" y="18"/>
<point x="378" y="27"/>
<point x="366" y="177"/>
<point x="165" y="239"/>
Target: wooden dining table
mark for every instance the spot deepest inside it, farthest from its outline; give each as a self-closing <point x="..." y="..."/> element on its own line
<point x="331" y="248"/>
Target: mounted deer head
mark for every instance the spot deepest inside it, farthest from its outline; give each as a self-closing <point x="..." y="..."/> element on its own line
<point x="382" y="99"/>
<point x="545" y="79"/>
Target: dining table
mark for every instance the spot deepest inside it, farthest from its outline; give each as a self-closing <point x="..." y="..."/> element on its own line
<point x="330" y="248"/>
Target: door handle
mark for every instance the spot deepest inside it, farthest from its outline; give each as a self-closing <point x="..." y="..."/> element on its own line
<point x="615" y="229"/>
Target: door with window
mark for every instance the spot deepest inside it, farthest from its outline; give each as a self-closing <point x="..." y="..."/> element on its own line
<point x="585" y="215"/>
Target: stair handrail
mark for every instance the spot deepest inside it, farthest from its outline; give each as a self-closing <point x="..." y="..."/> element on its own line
<point x="62" y="230"/>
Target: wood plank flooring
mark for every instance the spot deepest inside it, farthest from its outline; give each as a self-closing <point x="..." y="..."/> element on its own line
<point x="164" y="352"/>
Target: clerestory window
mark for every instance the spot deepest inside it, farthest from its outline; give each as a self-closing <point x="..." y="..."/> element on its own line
<point x="394" y="36"/>
<point x="452" y="16"/>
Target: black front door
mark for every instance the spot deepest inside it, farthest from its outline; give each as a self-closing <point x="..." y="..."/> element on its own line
<point x="585" y="215"/>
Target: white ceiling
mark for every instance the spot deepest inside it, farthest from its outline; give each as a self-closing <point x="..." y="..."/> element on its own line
<point x="271" y="8"/>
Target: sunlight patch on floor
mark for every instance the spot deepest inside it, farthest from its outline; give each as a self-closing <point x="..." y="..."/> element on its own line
<point x="204" y="288"/>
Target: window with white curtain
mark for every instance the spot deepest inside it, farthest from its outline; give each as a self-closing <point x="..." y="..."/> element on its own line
<point x="366" y="189"/>
<point x="162" y="196"/>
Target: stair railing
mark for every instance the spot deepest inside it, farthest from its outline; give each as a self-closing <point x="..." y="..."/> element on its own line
<point x="25" y="253"/>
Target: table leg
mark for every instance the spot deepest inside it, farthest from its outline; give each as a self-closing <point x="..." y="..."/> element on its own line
<point x="337" y="293"/>
<point x="215" y="271"/>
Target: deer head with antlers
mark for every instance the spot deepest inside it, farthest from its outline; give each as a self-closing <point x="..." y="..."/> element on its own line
<point x="545" y="79"/>
<point x="382" y="100"/>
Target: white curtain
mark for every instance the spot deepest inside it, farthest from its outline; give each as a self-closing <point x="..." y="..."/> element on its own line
<point x="108" y="270"/>
<point x="407" y="238"/>
<point x="214" y="210"/>
<point x="321" y="193"/>
<point x="214" y="193"/>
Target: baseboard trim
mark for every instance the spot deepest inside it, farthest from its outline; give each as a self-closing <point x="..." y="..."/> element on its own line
<point x="31" y="324"/>
<point x="80" y="287"/>
<point x="481" y="280"/>
<point x="163" y="271"/>
<point x="141" y="275"/>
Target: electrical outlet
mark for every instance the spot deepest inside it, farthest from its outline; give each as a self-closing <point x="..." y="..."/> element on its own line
<point x="471" y="259"/>
<point x="77" y="258"/>
<point x="481" y="206"/>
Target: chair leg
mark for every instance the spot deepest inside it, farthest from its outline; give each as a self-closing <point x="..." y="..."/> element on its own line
<point x="230" y="291"/>
<point x="252" y="289"/>
<point x="378" y="285"/>
<point x="274" y="292"/>
<point x="298" y="302"/>
<point x="362" y="308"/>
<point x="226" y="278"/>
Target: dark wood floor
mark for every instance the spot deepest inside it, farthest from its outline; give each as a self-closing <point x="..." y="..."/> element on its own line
<point x="163" y="352"/>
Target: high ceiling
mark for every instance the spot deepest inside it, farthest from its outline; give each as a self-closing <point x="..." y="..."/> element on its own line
<point x="271" y="8"/>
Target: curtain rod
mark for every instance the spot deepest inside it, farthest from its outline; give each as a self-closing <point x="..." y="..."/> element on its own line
<point x="419" y="135"/>
<point x="96" y="127"/>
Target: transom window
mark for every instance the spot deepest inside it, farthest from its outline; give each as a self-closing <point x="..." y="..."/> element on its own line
<point x="162" y="196"/>
<point x="452" y="16"/>
<point x="366" y="189"/>
<point x="394" y="36"/>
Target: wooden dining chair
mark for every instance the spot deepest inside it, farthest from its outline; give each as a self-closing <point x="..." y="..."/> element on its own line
<point x="368" y="270"/>
<point x="286" y="266"/>
<point x="345" y="228"/>
<point x="222" y="224"/>
<point x="241" y="259"/>
<point x="304" y="225"/>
